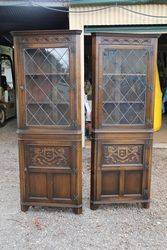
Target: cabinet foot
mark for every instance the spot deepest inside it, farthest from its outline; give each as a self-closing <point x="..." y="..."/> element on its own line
<point x="77" y="210"/>
<point x="24" y="208"/>
<point x="93" y="206"/>
<point x="146" y="205"/>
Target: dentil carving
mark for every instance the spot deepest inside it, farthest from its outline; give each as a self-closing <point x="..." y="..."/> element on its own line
<point x="119" y="154"/>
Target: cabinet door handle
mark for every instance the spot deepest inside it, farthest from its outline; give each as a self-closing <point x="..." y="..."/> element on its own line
<point x="22" y="87"/>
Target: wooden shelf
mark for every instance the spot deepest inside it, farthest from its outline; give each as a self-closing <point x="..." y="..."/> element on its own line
<point x="123" y="102"/>
<point x="47" y="74"/>
<point x="110" y="74"/>
<point x="47" y="103"/>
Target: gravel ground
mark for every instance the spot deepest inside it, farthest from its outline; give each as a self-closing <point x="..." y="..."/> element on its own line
<point x="109" y="227"/>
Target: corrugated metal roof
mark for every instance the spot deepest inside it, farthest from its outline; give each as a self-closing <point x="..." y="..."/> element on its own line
<point x="50" y="3"/>
<point x="23" y="18"/>
<point x="124" y="2"/>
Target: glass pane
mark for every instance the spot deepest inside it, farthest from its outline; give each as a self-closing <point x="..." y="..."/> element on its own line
<point x="124" y="86"/>
<point x="6" y="71"/>
<point x="47" y="86"/>
<point x="6" y="78"/>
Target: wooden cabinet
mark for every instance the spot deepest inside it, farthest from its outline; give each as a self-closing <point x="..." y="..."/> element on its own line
<point x="49" y="118"/>
<point x="123" y="100"/>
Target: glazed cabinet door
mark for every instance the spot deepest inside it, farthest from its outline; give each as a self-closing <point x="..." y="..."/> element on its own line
<point x="124" y="95"/>
<point x="48" y="82"/>
<point x="49" y="118"/>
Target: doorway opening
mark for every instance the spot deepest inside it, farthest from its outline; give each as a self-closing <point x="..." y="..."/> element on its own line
<point x="15" y="19"/>
<point x="160" y="136"/>
<point x="88" y="89"/>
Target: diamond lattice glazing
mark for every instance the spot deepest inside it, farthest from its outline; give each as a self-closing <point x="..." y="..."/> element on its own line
<point x="124" y="86"/>
<point x="47" y="86"/>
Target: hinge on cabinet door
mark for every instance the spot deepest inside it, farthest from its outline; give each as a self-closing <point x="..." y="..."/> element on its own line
<point x="23" y="87"/>
<point x="145" y="193"/>
<point x="148" y="144"/>
<point x="146" y="166"/>
<point x="72" y="86"/>
<point x="74" y="197"/>
<point x="72" y="49"/>
<point x="25" y="170"/>
<point x="74" y="171"/>
<point x="149" y="122"/>
<point x="150" y="87"/>
<point x="74" y="124"/>
<point x="151" y="51"/>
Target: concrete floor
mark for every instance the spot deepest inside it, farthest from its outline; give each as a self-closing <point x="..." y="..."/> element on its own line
<point x="161" y="135"/>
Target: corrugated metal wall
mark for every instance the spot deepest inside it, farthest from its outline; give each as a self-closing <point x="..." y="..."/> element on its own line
<point x="117" y="16"/>
<point x="111" y="16"/>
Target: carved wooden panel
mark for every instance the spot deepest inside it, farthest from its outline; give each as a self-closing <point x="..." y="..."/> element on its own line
<point x="123" y="154"/>
<point x="46" y="39"/>
<point x="126" y="41"/>
<point x="48" y="156"/>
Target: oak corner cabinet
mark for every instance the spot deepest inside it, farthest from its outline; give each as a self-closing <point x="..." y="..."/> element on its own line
<point x="49" y="119"/>
<point x="123" y="100"/>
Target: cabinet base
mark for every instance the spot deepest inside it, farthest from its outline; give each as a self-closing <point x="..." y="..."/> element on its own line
<point x="95" y="204"/>
<point x="146" y="205"/>
<point x="76" y="209"/>
<point x="24" y="208"/>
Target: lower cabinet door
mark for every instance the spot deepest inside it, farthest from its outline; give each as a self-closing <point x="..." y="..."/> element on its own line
<point x="51" y="173"/>
<point x="53" y="187"/>
<point x="122" y="183"/>
<point x="121" y="171"/>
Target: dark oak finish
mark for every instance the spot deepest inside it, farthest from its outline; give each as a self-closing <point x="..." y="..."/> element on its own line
<point x="49" y="119"/>
<point x="123" y="91"/>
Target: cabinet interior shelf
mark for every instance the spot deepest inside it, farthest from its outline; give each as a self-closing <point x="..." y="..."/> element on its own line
<point x="46" y="74"/>
<point x="125" y="102"/>
<point x="47" y="103"/>
<point x="123" y="74"/>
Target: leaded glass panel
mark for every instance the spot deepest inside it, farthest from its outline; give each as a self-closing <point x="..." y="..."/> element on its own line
<point x="124" y="86"/>
<point x="47" y="86"/>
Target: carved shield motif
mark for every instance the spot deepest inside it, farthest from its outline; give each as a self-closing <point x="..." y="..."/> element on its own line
<point x="52" y="156"/>
<point x="115" y="154"/>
